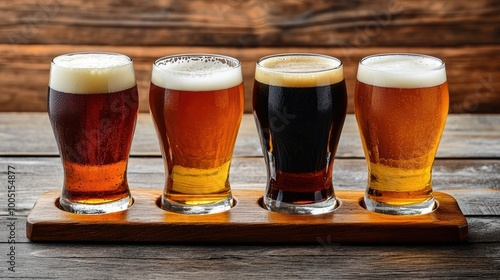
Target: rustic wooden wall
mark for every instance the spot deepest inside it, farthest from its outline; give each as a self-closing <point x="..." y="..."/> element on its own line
<point x="464" y="33"/>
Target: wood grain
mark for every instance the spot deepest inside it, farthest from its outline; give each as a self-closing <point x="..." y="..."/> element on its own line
<point x="251" y="23"/>
<point x="318" y="261"/>
<point x="465" y="136"/>
<point x="473" y="83"/>
<point x="463" y="33"/>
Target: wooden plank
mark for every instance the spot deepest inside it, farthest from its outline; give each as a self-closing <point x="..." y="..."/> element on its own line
<point x="252" y="23"/>
<point x="473" y="183"/>
<point x="465" y="136"/>
<point x="483" y="229"/>
<point x="320" y="261"/>
<point x="473" y="83"/>
<point x="477" y="201"/>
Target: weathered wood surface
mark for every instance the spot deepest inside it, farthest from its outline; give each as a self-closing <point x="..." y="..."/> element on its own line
<point x="472" y="178"/>
<point x="322" y="261"/>
<point x="473" y="71"/>
<point x="465" y="136"/>
<point x="252" y="23"/>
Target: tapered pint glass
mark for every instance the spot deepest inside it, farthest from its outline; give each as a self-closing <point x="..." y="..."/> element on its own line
<point x="196" y="102"/>
<point x="299" y="105"/>
<point x="401" y="104"/>
<point x="92" y="106"/>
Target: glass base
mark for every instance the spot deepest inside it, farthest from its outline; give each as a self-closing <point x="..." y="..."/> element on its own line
<point x="220" y="206"/>
<point x="291" y="208"/>
<point x="409" y="209"/>
<point x="109" y="207"/>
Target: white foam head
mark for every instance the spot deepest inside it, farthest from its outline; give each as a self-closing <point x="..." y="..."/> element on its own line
<point x="196" y="72"/>
<point x="90" y="73"/>
<point x="402" y="71"/>
<point x="299" y="70"/>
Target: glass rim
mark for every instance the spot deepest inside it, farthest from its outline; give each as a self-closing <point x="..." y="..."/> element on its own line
<point x="328" y="57"/>
<point x="402" y="54"/>
<point x="158" y="62"/>
<point x="129" y="59"/>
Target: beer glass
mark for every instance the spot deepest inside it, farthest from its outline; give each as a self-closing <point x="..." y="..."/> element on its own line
<point x="92" y="106"/>
<point x="401" y="105"/>
<point x="299" y="105"/>
<point x="196" y="101"/>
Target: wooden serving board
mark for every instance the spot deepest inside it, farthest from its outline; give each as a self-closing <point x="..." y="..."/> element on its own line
<point x="246" y="222"/>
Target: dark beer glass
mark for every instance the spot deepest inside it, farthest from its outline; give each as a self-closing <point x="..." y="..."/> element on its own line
<point x="299" y="104"/>
<point x="401" y="104"/>
<point x="196" y="102"/>
<point x="92" y="106"/>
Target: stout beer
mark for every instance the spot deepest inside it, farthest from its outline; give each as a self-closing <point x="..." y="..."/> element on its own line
<point x="197" y="104"/>
<point x="299" y="103"/>
<point x="401" y="104"/>
<point x="93" y="105"/>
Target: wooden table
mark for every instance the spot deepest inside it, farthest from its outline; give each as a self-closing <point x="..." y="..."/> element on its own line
<point x="467" y="167"/>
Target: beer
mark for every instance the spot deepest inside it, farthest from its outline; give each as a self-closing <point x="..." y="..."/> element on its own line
<point x="299" y="103"/>
<point x="401" y="104"/>
<point x="196" y="102"/>
<point x="93" y="105"/>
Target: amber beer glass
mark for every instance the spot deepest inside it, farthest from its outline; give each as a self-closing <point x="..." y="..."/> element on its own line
<point x="401" y="105"/>
<point x="299" y="104"/>
<point x="92" y="105"/>
<point x="196" y="102"/>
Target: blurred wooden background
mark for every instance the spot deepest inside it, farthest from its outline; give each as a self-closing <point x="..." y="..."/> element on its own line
<point x="464" y="33"/>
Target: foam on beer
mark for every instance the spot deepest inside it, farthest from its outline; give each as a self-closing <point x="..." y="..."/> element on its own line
<point x="196" y="73"/>
<point x="91" y="73"/>
<point x="299" y="70"/>
<point x="402" y="71"/>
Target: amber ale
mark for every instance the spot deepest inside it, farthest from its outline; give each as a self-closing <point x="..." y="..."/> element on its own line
<point x="196" y="102"/>
<point x="93" y="105"/>
<point x="401" y="104"/>
<point x="299" y="104"/>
